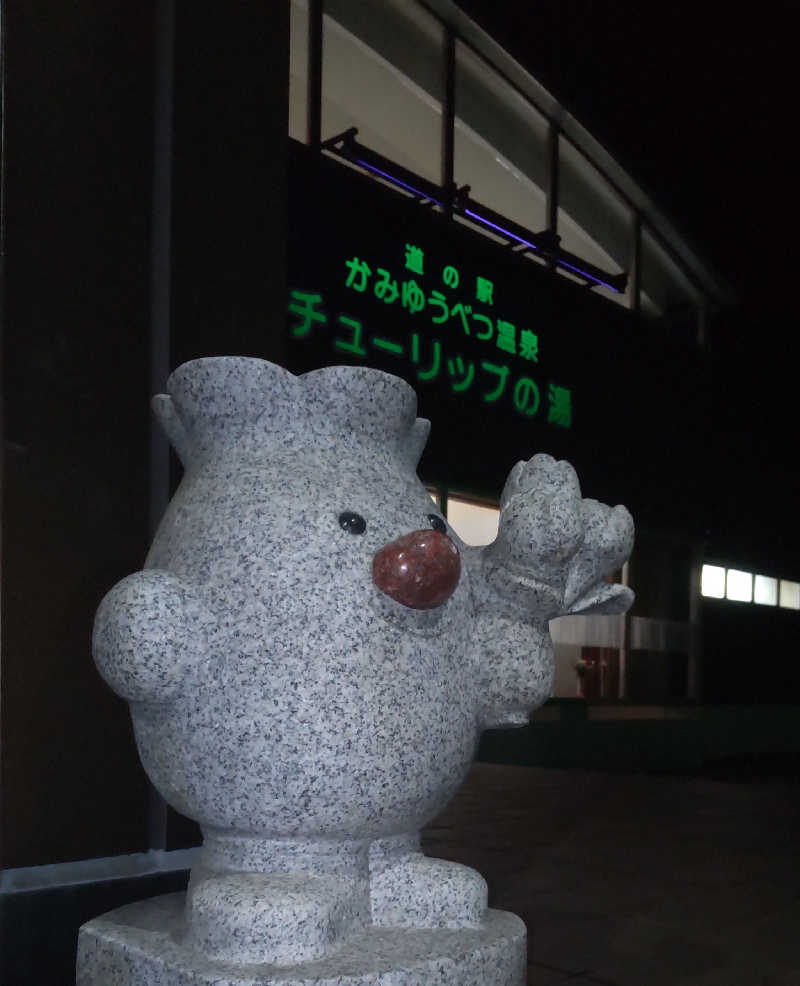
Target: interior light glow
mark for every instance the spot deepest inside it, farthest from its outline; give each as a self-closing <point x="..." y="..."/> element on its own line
<point x="500" y="229"/>
<point x="765" y="590"/>
<point x="739" y="586"/>
<point x="434" y="495"/>
<point x="789" y="594"/>
<point x="591" y="277"/>
<point x="474" y="523"/>
<point x="483" y="220"/>
<point x="712" y="581"/>
<point x="394" y="180"/>
<point x="513" y="236"/>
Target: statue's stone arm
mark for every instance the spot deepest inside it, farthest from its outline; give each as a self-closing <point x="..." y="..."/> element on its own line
<point x="550" y="558"/>
<point x="150" y="633"/>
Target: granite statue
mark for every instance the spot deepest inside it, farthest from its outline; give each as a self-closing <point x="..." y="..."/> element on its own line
<point x="310" y="655"/>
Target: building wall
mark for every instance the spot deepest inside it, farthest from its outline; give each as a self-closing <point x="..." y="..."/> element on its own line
<point x="93" y="274"/>
<point x="77" y="175"/>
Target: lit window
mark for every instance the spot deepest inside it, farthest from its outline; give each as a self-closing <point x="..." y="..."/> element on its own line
<point x="739" y="586"/>
<point x="381" y="72"/>
<point x="298" y="71"/>
<point x="712" y="581"/>
<point x="473" y="523"/>
<point x="593" y="221"/>
<point x="433" y="493"/>
<point x="765" y="590"/>
<point x="666" y="290"/>
<point x="790" y="594"/>
<point x="500" y="146"/>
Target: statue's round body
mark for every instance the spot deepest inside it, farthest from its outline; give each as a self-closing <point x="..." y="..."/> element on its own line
<point x="324" y="707"/>
<point x="310" y="652"/>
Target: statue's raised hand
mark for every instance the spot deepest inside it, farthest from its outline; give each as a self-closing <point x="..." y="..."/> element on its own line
<point x="553" y="548"/>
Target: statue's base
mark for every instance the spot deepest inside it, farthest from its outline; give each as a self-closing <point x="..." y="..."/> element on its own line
<point x="141" y="945"/>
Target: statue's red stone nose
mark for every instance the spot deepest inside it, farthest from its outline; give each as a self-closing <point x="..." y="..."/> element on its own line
<point x="420" y="570"/>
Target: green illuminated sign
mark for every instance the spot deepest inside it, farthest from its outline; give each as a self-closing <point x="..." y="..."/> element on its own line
<point x="465" y="313"/>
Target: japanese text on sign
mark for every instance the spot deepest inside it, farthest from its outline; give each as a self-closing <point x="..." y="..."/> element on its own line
<point x="441" y="306"/>
<point x="490" y="379"/>
<point x="494" y="365"/>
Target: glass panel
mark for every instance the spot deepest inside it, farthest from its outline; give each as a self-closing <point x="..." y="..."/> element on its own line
<point x="382" y="72"/>
<point x="433" y="493"/>
<point x="473" y="523"/>
<point x="298" y="70"/>
<point x="712" y="581"/>
<point x="566" y="680"/>
<point x="790" y="594"/>
<point x="765" y="590"/>
<point x="739" y="586"/>
<point x="594" y="222"/>
<point x="665" y="290"/>
<point x="500" y="144"/>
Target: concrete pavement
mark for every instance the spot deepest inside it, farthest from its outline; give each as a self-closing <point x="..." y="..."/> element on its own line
<point x="636" y="880"/>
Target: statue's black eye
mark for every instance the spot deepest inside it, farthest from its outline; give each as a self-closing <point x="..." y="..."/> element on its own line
<point x="437" y="523"/>
<point x="352" y="522"/>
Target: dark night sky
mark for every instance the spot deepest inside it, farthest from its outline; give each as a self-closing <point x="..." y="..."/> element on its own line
<point x="698" y="102"/>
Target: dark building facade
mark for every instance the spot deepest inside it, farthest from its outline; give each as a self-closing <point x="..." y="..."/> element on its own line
<point x="375" y="182"/>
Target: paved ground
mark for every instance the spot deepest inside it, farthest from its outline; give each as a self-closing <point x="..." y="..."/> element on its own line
<point x="636" y="880"/>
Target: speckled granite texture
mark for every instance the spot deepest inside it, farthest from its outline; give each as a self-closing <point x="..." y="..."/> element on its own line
<point x="311" y="654"/>
<point x="144" y="943"/>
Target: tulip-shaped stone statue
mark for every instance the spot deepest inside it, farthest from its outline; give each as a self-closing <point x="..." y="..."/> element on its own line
<point x="310" y="655"/>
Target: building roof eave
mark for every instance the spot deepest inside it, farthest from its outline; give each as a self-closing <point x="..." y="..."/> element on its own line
<point x="708" y="280"/>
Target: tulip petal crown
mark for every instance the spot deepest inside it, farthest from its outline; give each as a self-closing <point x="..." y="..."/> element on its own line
<point x="242" y="406"/>
<point x="560" y="545"/>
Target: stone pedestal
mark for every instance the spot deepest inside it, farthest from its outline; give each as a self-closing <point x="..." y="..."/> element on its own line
<point x="144" y="944"/>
